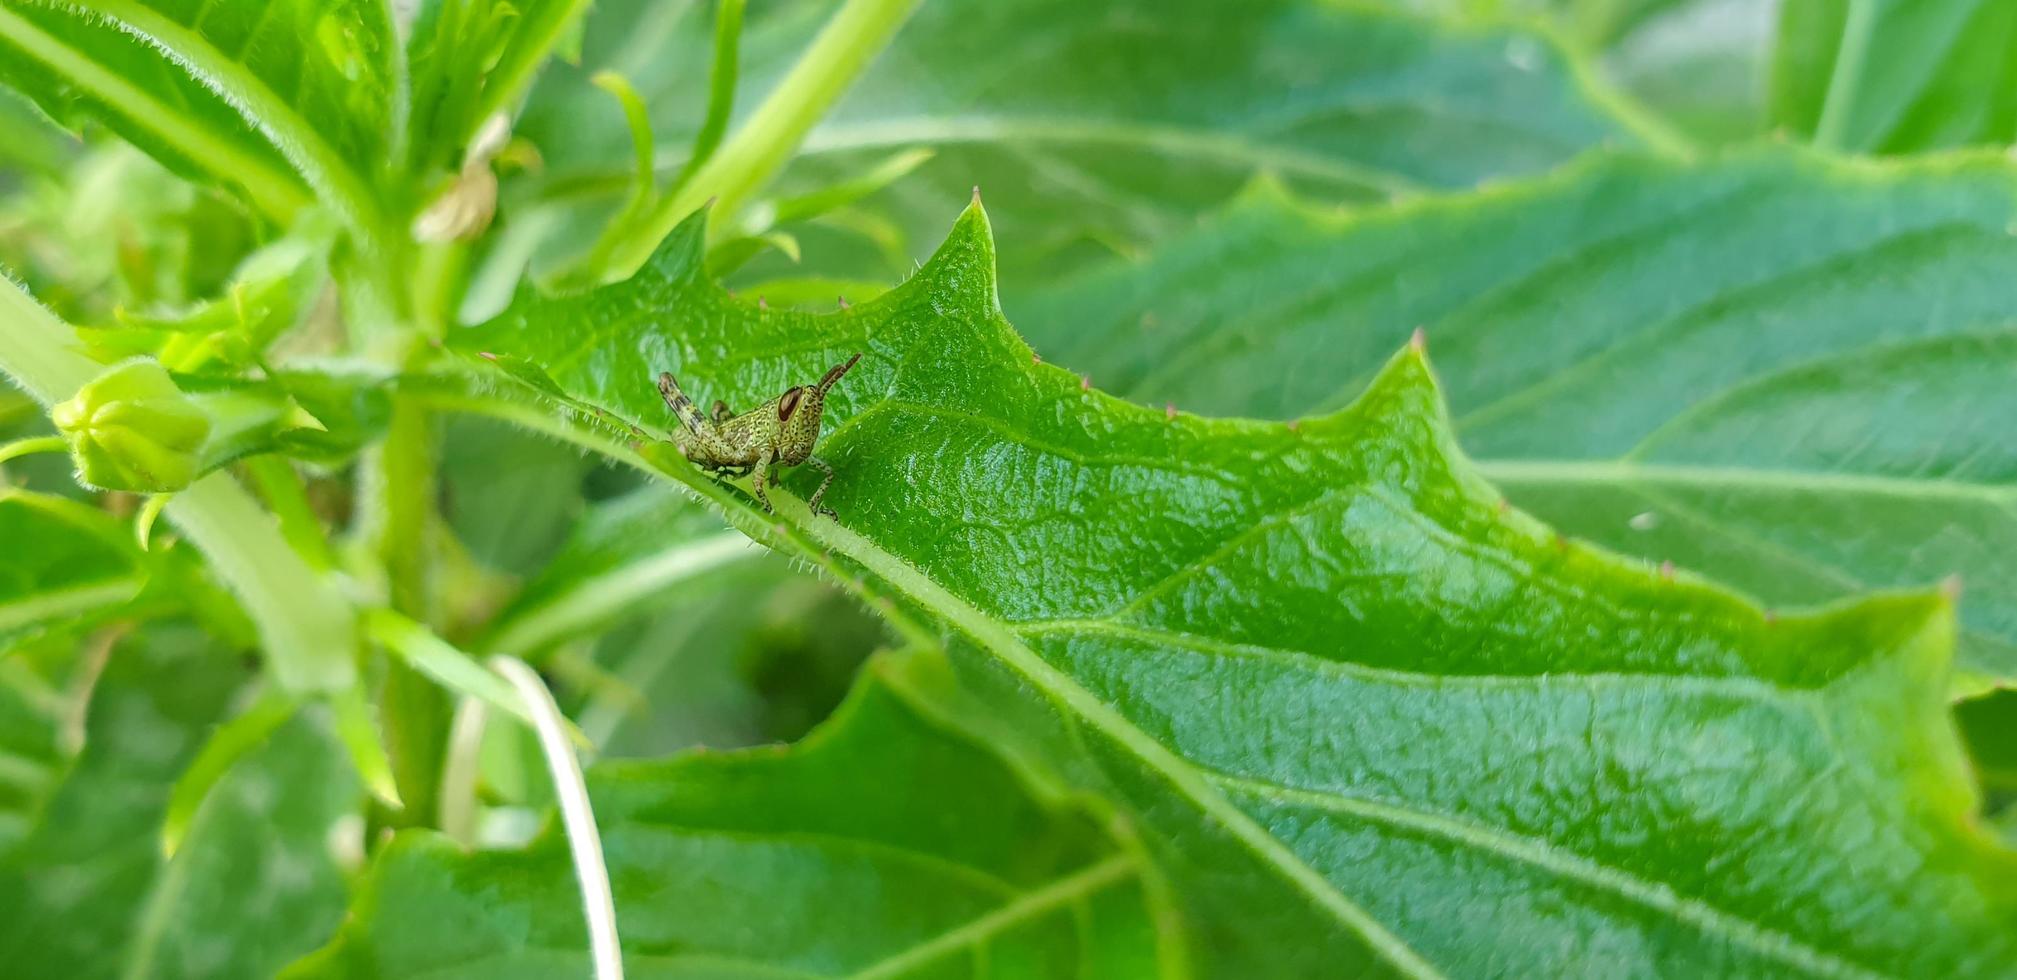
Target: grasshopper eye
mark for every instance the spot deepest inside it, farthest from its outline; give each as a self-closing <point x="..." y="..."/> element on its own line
<point x="789" y="403"/>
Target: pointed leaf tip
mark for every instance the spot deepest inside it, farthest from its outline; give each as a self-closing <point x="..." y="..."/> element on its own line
<point x="963" y="267"/>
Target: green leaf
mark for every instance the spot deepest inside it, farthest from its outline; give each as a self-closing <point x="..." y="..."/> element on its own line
<point x="1101" y="127"/>
<point x="238" y="92"/>
<point x="1785" y="372"/>
<point x="1365" y="718"/>
<point x="87" y="893"/>
<point x="1885" y="76"/>
<point x="39" y="715"/>
<point x="884" y="845"/>
<point x="78" y="67"/>
<point x="64" y="564"/>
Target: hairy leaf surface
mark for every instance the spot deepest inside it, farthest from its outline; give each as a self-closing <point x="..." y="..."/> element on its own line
<point x="240" y="93"/>
<point x="885" y="845"/>
<point x="1363" y="716"/>
<point x="79" y="68"/>
<point x="1789" y="373"/>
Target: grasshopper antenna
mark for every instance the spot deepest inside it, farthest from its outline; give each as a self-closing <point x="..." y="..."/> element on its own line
<point x="833" y="374"/>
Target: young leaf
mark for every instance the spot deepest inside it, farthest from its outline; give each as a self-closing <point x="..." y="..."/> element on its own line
<point x="224" y="89"/>
<point x="883" y="845"/>
<point x="1364" y="717"/>
<point x="88" y="895"/>
<point x="63" y="564"/>
<point x="1105" y="126"/>
<point x="1780" y="370"/>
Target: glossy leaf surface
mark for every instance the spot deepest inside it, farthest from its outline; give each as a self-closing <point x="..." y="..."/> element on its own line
<point x="1786" y="373"/>
<point x="1364" y="717"/>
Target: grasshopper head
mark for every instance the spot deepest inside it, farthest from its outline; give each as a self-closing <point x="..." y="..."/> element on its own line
<point x="798" y="412"/>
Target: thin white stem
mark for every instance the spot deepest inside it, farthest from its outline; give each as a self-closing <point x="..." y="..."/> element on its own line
<point x="598" y="905"/>
<point x="458" y="773"/>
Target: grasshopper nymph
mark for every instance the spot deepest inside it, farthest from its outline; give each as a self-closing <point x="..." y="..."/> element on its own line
<point x="781" y="432"/>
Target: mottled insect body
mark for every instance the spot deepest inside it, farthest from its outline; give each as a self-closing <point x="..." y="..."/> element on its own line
<point x="782" y="432"/>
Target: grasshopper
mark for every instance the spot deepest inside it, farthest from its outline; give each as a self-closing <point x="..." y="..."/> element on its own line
<point x="782" y="432"/>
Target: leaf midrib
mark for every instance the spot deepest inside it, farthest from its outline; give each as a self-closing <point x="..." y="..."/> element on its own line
<point x="1746" y="688"/>
<point x="1614" y="472"/>
<point x="926" y="128"/>
<point x="1181" y="775"/>
<point x="1565" y="864"/>
<point x="1025" y="906"/>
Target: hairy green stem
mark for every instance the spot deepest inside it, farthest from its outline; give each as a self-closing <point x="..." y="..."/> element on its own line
<point x="38" y="351"/>
<point x="414" y="712"/>
<point x="307" y="629"/>
<point x="760" y="148"/>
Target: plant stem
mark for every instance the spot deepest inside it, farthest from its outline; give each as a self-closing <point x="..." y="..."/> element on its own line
<point x="307" y="630"/>
<point x="31" y="446"/>
<point x="39" y="351"/>
<point x="1846" y="81"/>
<point x="458" y="811"/>
<point x="760" y="148"/>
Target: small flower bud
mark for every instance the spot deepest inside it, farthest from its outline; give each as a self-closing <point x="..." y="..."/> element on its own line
<point x="130" y="428"/>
